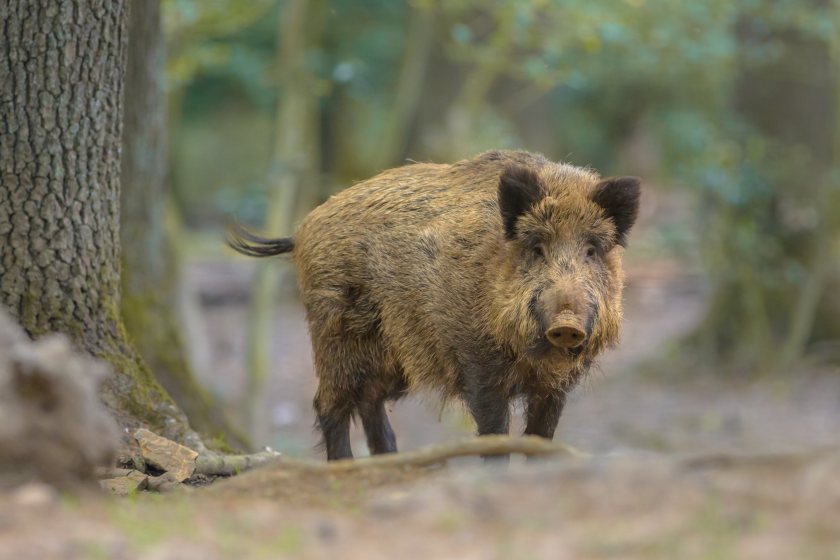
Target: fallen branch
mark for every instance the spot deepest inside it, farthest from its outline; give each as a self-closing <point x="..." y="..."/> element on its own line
<point x="530" y="446"/>
<point x="229" y="465"/>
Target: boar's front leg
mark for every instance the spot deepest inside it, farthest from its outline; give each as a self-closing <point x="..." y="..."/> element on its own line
<point x="543" y="413"/>
<point x="490" y="408"/>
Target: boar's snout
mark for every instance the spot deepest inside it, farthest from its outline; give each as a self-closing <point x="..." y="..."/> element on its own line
<point x="567" y="316"/>
<point x="567" y="333"/>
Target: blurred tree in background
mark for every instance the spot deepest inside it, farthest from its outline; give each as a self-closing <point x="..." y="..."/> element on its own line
<point x="771" y="243"/>
<point x="150" y="266"/>
<point x="276" y="104"/>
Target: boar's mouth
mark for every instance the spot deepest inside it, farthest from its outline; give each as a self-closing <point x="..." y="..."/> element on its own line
<point x="541" y="348"/>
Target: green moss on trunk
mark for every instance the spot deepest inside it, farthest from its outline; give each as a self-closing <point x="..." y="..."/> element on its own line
<point x="132" y="392"/>
<point x="156" y="336"/>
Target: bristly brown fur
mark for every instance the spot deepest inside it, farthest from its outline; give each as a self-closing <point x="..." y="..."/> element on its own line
<point x="446" y="277"/>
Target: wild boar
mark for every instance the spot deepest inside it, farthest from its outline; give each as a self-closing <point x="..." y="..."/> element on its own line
<point x="489" y="279"/>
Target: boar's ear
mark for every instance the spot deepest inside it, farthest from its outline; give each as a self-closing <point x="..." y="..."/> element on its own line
<point x="619" y="197"/>
<point x="519" y="189"/>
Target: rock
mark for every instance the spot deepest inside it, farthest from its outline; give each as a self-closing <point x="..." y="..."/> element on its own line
<point x="53" y="427"/>
<point x="166" y="454"/>
<point x="164" y="483"/>
<point x="103" y="473"/>
<point x="132" y="462"/>
<point x="125" y="485"/>
<point x="34" y="494"/>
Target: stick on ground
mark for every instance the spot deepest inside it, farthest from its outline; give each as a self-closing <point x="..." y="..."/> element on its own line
<point x="531" y="446"/>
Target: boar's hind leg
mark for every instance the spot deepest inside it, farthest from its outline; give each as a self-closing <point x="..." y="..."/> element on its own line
<point x="543" y="413"/>
<point x="380" y="436"/>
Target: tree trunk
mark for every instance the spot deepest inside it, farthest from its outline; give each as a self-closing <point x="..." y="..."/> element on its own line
<point x="466" y="109"/>
<point x="61" y="87"/>
<point x="293" y="161"/>
<point x="149" y="264"/>
<point x="418" y="48"/>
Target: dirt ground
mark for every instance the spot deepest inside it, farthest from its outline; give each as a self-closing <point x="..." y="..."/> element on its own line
<point x="710" y="467"/>
<point x="640" y="507"/>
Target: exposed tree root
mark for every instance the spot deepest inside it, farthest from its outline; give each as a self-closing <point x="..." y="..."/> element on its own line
<point x="531" y="446"/>
<point x="229" y="465"/>
<point x="212" y="465"/>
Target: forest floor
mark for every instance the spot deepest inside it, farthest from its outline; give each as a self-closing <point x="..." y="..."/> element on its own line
<point x="713" y="506"/>
<point x="679" y="466"/>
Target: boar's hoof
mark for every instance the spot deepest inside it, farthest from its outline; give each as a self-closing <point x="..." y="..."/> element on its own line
<point x="566" y="336"/>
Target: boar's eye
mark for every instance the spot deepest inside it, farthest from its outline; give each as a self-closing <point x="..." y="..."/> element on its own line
<point x="538" y="251"/>
<point x="590" y="252"/>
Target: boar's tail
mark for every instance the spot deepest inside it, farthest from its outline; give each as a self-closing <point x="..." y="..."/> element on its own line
<point x="243" y="241"/>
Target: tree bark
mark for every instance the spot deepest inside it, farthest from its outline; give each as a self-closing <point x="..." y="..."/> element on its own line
<point x="61" y="86"/>
<point x="150" y="272"/>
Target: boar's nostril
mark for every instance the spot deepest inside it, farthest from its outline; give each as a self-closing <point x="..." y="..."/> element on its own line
<point x="566" y="336"/>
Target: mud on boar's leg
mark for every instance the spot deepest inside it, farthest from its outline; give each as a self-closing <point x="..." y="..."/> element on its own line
<point x="380" y="436"/>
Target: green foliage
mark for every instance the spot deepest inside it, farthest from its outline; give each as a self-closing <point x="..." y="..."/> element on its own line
<point x="199" y="38"/>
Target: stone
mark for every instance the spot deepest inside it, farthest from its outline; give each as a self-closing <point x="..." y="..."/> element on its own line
<point x="164" y="483"/>
<point x="166" y="454"/>
<point x="124" y="485"/>
<point x="103" y="473"/>
<point x="50" y="410"/>
<point x="35" y="495"/>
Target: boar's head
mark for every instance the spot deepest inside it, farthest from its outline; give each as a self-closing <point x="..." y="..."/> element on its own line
<point x="558" y="290"/>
